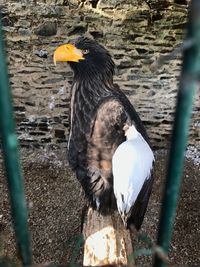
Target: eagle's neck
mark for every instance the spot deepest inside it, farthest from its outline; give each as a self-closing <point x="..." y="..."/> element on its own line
<point x="94" y="79"/>
<point x="93" y="90"/>
<point x="86" y="96"/>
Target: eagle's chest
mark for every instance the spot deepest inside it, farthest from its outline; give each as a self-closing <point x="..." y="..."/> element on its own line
<point x="83" y="108"/>
<point x="85" y="102"/>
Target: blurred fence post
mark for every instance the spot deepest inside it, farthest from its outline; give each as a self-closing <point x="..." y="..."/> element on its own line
<point x="189" y="79"/>
<point x="12" y="164"/>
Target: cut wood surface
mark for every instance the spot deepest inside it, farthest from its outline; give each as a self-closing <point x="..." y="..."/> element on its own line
<point x="106" y="240"/>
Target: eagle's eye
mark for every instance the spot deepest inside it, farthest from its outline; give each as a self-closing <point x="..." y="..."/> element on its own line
<point x="85" y="51"/>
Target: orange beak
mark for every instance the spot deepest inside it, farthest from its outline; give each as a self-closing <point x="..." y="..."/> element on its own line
<point x="67" y="52"/>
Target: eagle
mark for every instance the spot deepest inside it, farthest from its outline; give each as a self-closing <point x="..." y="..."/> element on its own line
<point x="108" y="147"/>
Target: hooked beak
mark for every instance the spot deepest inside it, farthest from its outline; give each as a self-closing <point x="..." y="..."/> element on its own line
<point x="67" y="53"/>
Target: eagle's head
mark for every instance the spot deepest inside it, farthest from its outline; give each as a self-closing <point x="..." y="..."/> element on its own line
<point x="87" y="58"/>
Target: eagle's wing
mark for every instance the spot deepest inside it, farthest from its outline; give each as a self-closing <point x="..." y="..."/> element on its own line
<point x="133" y="162"/>
<point x="132" y="169"/>
<point x="107" y="134"/>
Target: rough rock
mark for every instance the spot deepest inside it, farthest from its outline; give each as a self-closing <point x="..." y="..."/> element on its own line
<point x="135" y="33"/>
<point x="48" y="28"/>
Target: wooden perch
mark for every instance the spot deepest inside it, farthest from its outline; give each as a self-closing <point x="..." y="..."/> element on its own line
<point x="106" y="240"/>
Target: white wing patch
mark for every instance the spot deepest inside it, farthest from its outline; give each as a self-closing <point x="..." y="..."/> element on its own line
<point x="132" y="164"/>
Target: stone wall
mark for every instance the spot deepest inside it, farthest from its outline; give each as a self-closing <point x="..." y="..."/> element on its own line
<point x="136" y="34"/>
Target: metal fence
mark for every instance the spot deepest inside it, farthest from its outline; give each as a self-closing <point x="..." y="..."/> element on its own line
<point x="188" y="83"/>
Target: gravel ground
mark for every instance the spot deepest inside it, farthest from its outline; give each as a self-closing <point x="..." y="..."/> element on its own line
<point x="55" y="206"/>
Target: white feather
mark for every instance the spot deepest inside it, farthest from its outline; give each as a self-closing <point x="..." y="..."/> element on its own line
<point x="132" y="164"/>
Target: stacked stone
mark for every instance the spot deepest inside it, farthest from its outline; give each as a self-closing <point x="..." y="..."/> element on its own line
<point x="136" y="33"/>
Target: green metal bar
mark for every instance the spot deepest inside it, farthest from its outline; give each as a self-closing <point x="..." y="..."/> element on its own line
<point x="188" y="84"/>
<point x="12" y="165"/>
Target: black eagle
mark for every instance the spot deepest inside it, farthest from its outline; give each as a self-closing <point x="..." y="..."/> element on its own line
<point x="108" y="147"/>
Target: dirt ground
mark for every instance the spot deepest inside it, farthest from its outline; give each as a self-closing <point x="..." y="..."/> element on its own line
<point x="55" y="206"/>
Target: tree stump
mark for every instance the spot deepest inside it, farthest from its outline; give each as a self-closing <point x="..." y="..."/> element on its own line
<point x="106" y="240"/>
